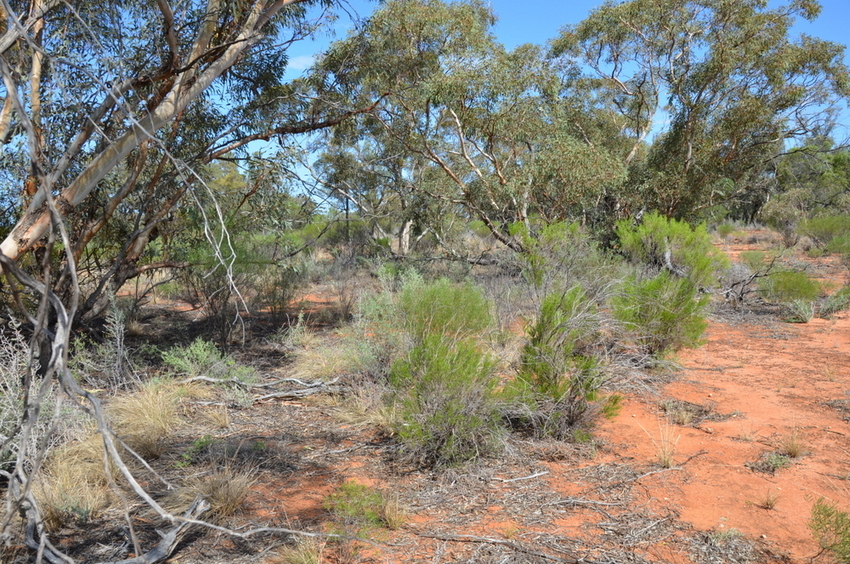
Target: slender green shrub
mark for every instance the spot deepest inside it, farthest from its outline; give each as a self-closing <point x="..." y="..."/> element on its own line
<point x="664" y="244"/>
<point x="831" y="529"/>
<point x="563" y="255"/>
<point x="824" y="229"/>
<point x="445" y="391"/>
<point x="665" y="312"/>
<point x="560" y="375"/>
<point x="785" y="286"/>
<point x="202" y="358"/>
<point x="444" y="308"/>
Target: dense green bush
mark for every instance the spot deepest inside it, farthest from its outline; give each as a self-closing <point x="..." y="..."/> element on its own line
<point x="785" y="286"/>
<point x="560" y="375"/>
<point x="822" y="230"/>
<point x="444" y="308"/>
<point x="445" y="390"/>
<point x="664" y="244"/>
<point x="563" y="255"/>
<point x="665" y="312"/>
<point x="831" y="529"/>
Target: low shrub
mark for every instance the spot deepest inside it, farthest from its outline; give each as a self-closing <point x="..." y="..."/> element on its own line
<point x="357" y="504"/>
<point x="20" y="391"/>
<point x="839" y="301"/>
<point x="202" y="358"/>
<point x="665" y="313"/>
<point x="560" y="375"/>
<point x="663" y="244"/>
<point x="448" y="410"/>
<point x="822" y="230"/>
<point x="443" y="308"/>
<point x="831" y="529"/>
<point x="786" y="286"/>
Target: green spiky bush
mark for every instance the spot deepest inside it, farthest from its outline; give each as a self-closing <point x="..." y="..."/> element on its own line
<point x="831" y="529"/>
<point x="444" y="308"/>
<point x="824" y="229"/>
<point x="665" y="312"/>
<point x="660" y="243"/>
<point x="445" y="391"/>
<point x="560" y="375"/>
<point x="786" y="286"/>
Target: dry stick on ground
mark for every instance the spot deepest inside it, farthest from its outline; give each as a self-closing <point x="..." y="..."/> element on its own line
<point x="171" y="539"/>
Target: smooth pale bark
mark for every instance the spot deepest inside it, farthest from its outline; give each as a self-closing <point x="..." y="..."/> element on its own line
<point x="188" y="87"/>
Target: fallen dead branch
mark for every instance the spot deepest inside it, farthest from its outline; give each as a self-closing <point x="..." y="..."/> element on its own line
<point x="174" y="537"/>
<point x="531" y="477"/>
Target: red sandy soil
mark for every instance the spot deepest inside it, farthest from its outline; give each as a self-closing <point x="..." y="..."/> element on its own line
<point x="757" y="380"/>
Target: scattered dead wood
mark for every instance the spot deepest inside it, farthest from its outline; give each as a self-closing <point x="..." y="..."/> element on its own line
<point x="173" y="538"/>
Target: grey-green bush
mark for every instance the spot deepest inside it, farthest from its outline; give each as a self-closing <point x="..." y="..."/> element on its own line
<point x="560" y="375"/>
<point x="445" y="390"/>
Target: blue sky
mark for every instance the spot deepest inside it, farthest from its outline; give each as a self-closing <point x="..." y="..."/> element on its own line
<point x="538" y="21"/>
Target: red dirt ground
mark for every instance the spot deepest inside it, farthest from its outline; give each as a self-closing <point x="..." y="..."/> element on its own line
<point x="772" y="381"/>
<point x="756" y="382"/>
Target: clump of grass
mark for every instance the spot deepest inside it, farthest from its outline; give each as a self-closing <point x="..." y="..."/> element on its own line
<point x="218" y="417"/>
<point x="794" y="445"/>
<point x="359" y="506"/>
<point x="800" y="311"/>
<point x="225" y="489"/>
<point x="145" y="418"/>
<point x="678" y="412"/>
<point x="665" y="446"/>
<point x="345" y="353"/>
<point x="305" y="550"/>
<point x="367" y="405"/>
<point x="839" y="301"/>
<point x="72" y="487"/>
<point x="768" y="501"/>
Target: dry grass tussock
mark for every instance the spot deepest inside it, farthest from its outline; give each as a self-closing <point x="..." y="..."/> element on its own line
<point x="306" y="550"/>
<point x="73" y="487"/>
<point x="366" y="406"/>
<point x="145" y="418"/>
<point x="342" y="353"/>
<point x="224" y="488"/>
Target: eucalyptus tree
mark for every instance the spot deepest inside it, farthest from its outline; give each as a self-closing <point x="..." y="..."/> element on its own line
<point x="110" y="110"/>
<point x="718" y="87"/>
<point x="494" y="125"/>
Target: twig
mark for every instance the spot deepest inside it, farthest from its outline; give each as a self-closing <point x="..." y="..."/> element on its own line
<point x="574" y="501"/>
<point x="537" y="475"/>
<point x="170" y="540"/>
<point x="656" y="472"/>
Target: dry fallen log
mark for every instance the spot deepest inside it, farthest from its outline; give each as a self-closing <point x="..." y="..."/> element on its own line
<point x="171" y="539"/>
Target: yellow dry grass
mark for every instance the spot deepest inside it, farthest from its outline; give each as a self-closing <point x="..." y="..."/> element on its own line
<point x="225" y="489"/>
<point x="72" y="486"/>
<point x="145" y="418"/>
